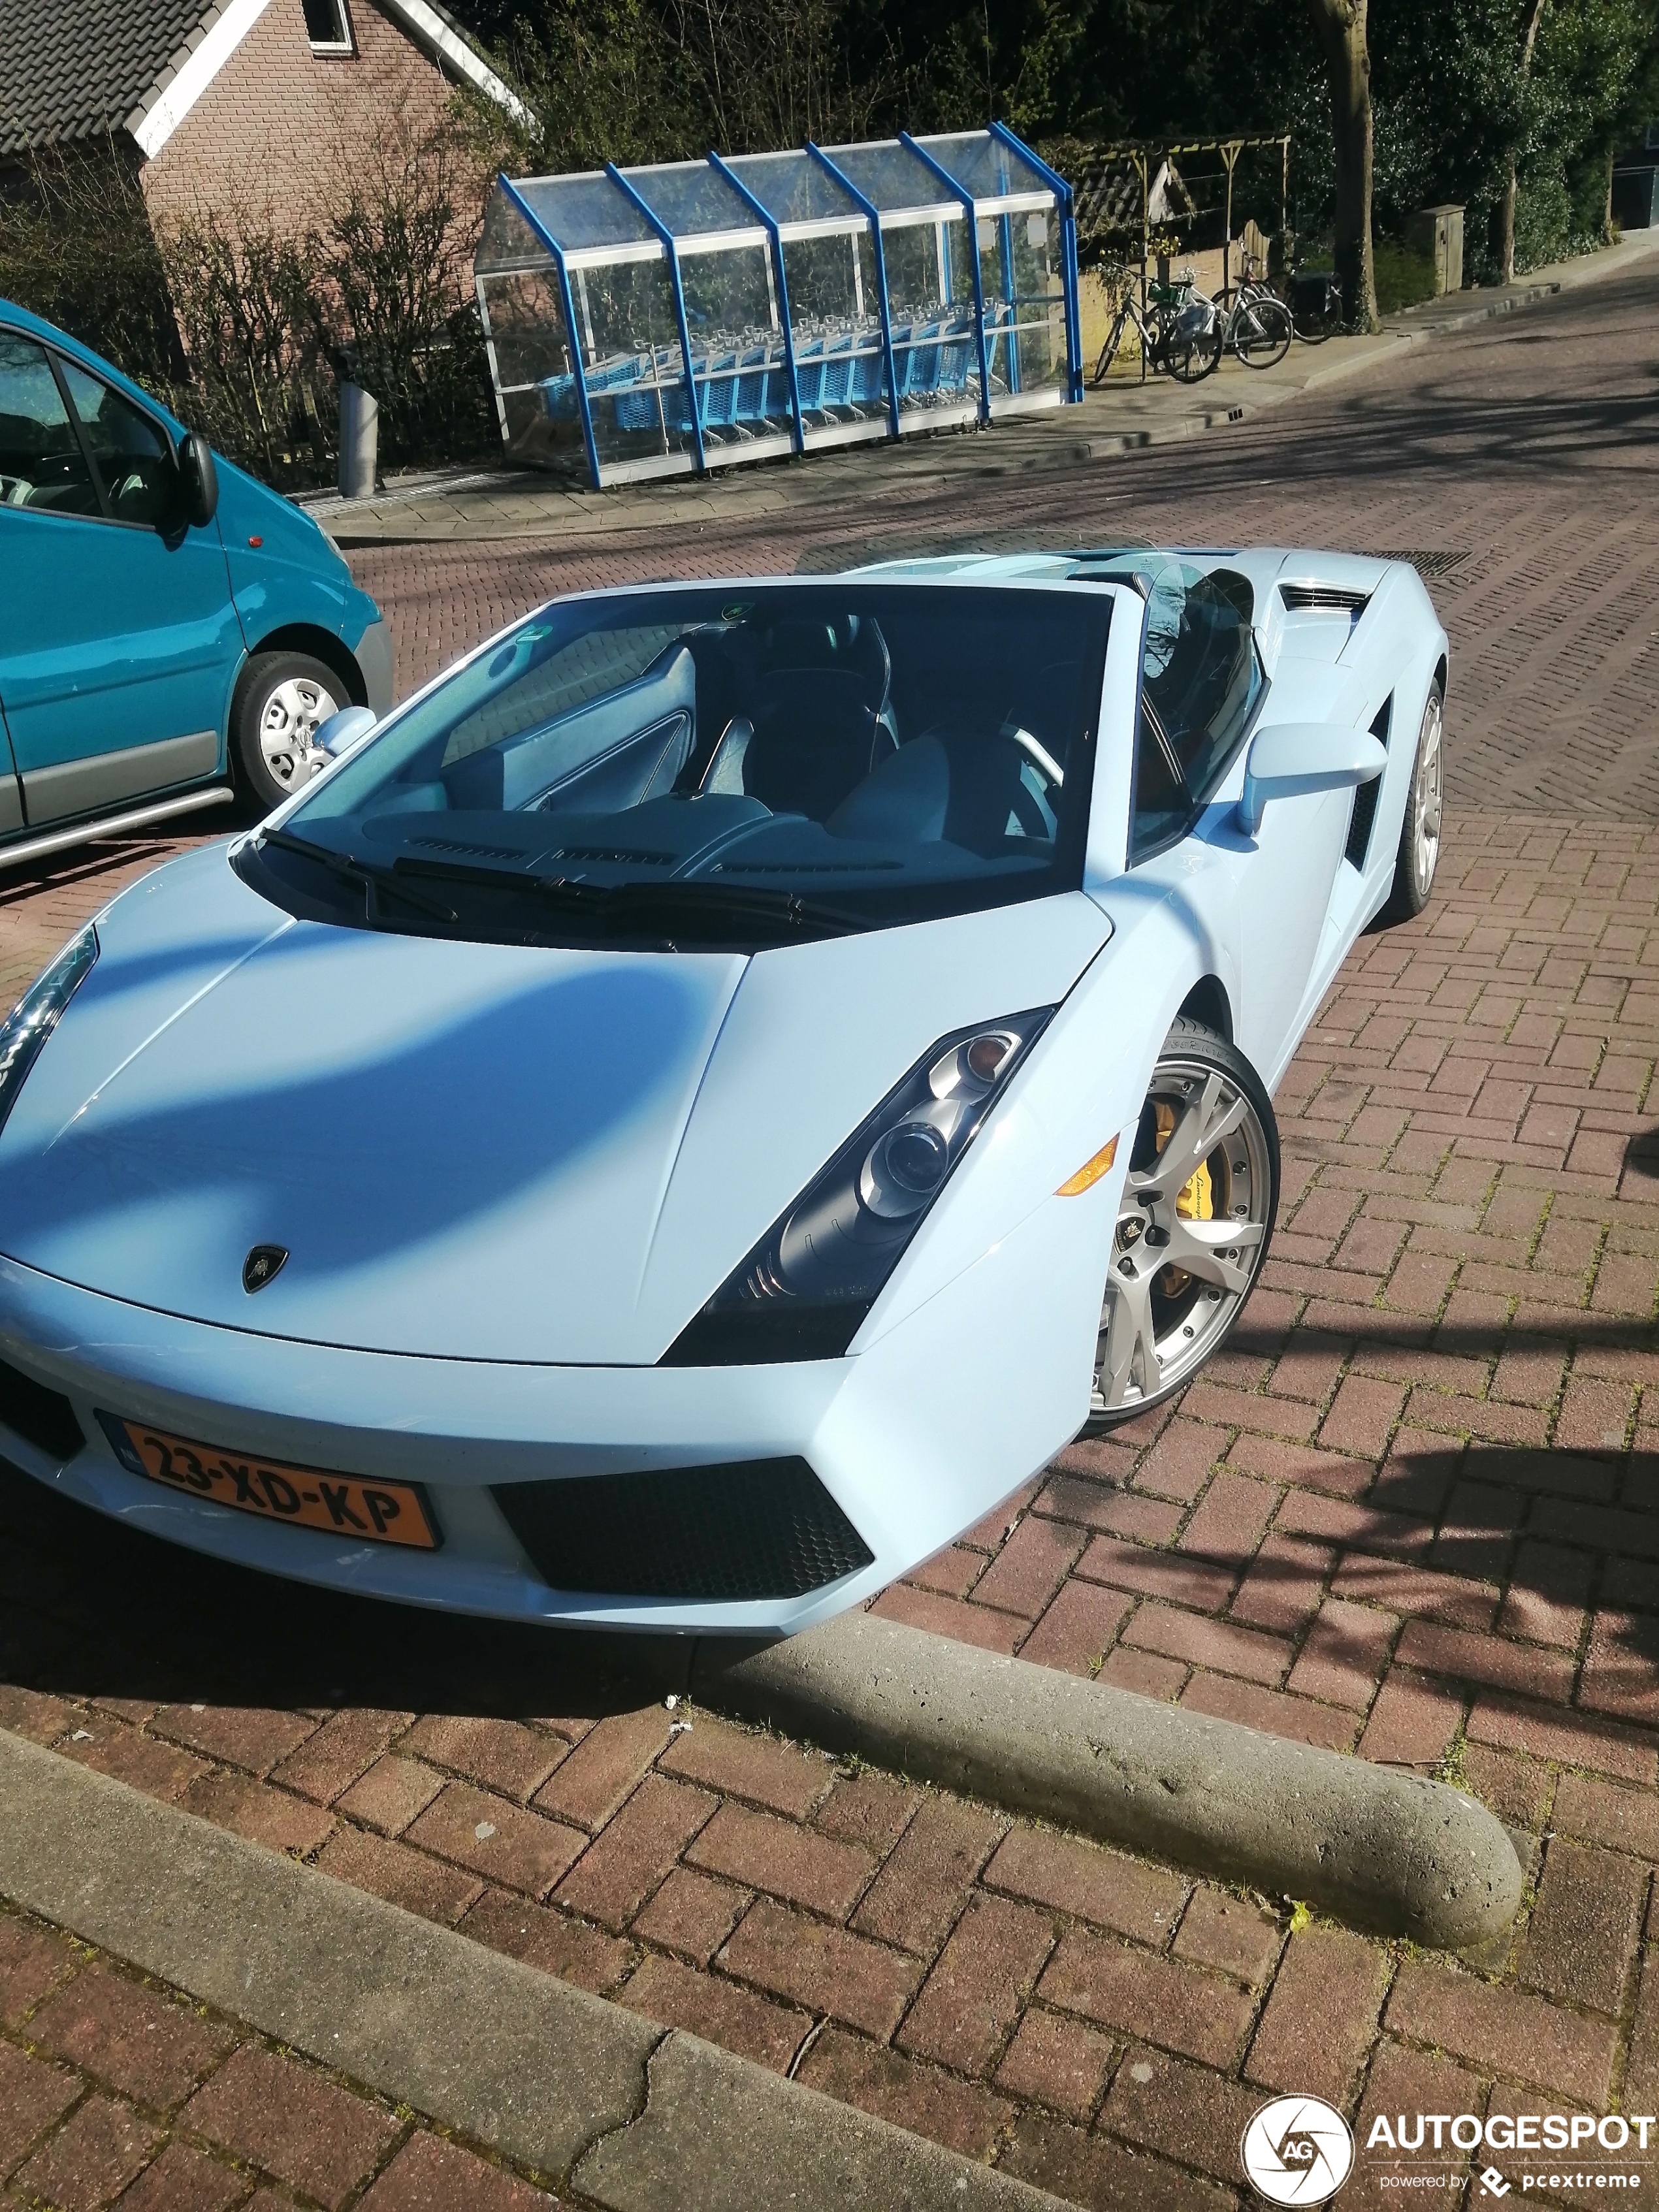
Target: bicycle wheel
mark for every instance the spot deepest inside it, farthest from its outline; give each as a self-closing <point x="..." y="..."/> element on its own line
<point x="1193" y="354"/>
<point x="1313" y="326"/>
<point x="1109" y="352"/>
<point x="1262" y="334"/>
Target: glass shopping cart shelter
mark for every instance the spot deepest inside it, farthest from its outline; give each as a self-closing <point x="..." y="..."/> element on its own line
<point x="666" y="319"/>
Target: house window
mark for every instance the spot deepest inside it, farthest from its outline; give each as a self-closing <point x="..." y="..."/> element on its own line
<point x="328" y="26"/>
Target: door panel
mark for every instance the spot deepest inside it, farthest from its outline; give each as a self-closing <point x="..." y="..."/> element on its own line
<point x="1285" y="895"/>
<point x="120" y="641"/>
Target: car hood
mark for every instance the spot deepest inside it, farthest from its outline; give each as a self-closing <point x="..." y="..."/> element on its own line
<point x="477" y="1150"/>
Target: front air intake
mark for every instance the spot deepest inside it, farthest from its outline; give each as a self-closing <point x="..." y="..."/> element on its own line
<point x="749" y="1530"/>
<point x="41" y="1417"/>
<point x="1323" y="599"/>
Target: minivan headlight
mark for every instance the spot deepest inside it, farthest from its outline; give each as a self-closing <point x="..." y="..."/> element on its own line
<point x="36" y="1014"/>
<point x="804" y="1289"/>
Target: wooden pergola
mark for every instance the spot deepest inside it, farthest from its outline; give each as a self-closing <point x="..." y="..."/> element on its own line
<point x="1140" y="158"/>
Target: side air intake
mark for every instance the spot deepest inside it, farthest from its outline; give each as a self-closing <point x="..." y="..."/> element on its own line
<point x="41" y="1417"/>
<point x="750" y="1530"/>
<point x="1323" y="599"/>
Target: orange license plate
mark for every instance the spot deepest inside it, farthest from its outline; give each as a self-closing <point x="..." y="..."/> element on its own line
<point x="341" y="1505"/>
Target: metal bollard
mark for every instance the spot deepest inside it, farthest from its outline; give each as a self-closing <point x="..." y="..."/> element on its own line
<point x="359" y="439"/>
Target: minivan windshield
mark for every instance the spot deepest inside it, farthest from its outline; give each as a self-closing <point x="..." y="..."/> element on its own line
<point x="719" y="765"/>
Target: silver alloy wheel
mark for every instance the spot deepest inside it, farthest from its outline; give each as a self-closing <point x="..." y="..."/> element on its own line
<point x="288" y="722"/>
<point x="1427" y="794"/>
<point x="1176" y="1280"/>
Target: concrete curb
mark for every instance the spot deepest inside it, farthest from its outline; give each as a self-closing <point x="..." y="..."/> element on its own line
<point x="1390" y="1852"/>
<point x="634" y="2116"/>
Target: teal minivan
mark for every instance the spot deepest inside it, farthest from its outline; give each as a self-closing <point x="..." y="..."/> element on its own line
<point x="172" y="634"/>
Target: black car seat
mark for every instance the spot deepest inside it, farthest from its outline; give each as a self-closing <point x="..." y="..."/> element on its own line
<point x="816" y="715"/>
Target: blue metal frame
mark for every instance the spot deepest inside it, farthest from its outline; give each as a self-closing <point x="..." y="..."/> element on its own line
<point x="1006" y="231"/>
<point x="872" y="214"/>
<point x="569" y="305"/>
<point x="961" y="193"/>
<point x="666" y="236"/>
<point x="776" y="236"/>
<point x="1069" y="279"/>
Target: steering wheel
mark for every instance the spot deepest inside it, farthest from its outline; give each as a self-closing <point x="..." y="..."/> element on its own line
<point x="14" y="491"/>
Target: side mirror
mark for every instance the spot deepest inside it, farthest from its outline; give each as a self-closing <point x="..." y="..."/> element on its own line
<point x="341" y="731"/>
<point x="1294" y="757"/>
<point x="198" y="480"/>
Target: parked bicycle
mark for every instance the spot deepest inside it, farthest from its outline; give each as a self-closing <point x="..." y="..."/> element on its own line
<point x="1254" y="323"/>
<point x="1179" y="331"/>
<point x="1314" y="297"/>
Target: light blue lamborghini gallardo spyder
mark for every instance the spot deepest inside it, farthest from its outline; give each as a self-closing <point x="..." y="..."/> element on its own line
<point x="678" y="1121"/>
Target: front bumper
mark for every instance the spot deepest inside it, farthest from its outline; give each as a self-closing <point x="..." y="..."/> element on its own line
<point x="374" y="663"/>
<point x="915" y="1439"/>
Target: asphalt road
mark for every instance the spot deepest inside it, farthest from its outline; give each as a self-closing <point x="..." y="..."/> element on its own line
<point x="1523" y="454"/>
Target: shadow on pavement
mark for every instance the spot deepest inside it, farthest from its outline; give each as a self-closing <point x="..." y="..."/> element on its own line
<point x="91" y="1609"/>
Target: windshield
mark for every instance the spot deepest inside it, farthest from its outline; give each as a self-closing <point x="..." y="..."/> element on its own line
<point x="719" y="765"/>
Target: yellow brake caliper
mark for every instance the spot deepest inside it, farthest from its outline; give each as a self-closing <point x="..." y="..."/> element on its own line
<point x="1195" y="1200"/>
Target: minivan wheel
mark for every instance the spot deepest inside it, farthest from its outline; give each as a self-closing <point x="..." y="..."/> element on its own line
<point x="1193" y="1227"/>
<point x="281" y="699"/>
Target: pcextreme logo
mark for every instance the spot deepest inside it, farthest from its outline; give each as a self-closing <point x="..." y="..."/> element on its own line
<point x="1298" y="2150"/>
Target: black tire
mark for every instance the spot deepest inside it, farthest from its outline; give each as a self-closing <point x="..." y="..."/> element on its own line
<point x="1418" y="856"/>
<point x="1314" y="330"/>
<point x="1261" y="336"/>
<point x="1107" y="353"/>
<point x="1195" y="357"/>
<point x="1161" y="1323"/>
<point x="301" y="690"/>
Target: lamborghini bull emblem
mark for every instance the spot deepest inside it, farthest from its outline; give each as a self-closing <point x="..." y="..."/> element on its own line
<point x="261" y="1266"/>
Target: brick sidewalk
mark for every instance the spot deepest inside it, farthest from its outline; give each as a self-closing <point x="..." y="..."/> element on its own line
<point x="116" y="2090"/>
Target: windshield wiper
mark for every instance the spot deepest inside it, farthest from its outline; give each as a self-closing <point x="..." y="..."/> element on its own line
<point x="700" y="899"/>
<point x="362" y="875"/>
<point x="672" y="900"/>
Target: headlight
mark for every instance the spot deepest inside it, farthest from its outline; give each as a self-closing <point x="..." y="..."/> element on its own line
<point x="34" y="1017"/>
<point x="803" y="1290"/>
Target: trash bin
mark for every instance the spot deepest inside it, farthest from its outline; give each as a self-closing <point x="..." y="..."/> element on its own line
<point x="1636" y="198"/>
<point x="1437" y="233"/>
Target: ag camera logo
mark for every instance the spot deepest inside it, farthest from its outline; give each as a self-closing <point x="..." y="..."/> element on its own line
<point x="1298" y="2150"/>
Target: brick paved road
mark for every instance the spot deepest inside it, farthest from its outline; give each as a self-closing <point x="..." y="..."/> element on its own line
<point x="1415" y="1510"/>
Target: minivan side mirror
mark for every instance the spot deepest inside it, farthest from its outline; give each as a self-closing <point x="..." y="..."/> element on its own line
<point x="1289" y="759"/>
<point x="198" y="480"/>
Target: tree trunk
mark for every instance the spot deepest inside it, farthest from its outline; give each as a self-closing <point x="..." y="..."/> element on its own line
<point x="1340" y="25"/>
<point x="1533" y="16"/>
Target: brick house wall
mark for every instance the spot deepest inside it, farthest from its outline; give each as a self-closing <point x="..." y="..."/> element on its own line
<point x="273" y="135"/>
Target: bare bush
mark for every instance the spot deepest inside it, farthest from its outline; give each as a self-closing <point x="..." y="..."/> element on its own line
<point x="243" y="327"/>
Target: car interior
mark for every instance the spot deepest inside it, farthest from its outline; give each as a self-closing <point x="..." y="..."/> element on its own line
<point x="43" y="457"/>
<point x="790" y="742"/>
